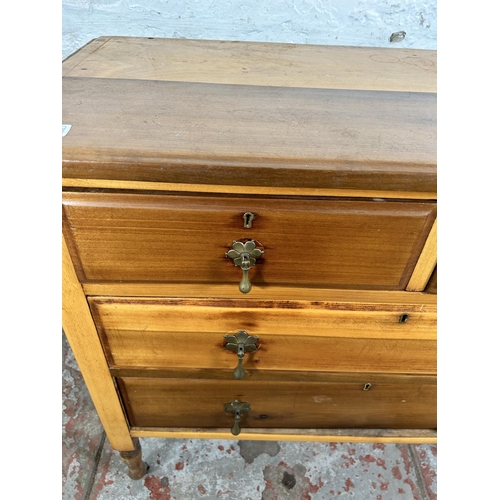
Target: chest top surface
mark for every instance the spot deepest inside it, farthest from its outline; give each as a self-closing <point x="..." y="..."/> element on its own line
<point x="251" y="114"/>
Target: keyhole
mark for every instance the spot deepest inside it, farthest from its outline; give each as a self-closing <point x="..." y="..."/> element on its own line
<point x="403" y="318"/>
<point x="248" y="217"/>
<point x="367" y="386"/>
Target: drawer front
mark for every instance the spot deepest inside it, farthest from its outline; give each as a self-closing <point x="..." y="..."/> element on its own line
<point x="306" y="242"/>
<point x="173" y="333"/>
<point x="404" y="402"/>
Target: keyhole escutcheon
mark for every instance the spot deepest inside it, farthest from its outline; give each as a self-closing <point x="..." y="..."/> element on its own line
<point x="248" y="217"/>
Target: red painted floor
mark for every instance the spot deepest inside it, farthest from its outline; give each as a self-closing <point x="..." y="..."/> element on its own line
<point x="233" y="470"/>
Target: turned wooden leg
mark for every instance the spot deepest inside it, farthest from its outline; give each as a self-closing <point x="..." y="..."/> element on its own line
<point x="136" y="467"/>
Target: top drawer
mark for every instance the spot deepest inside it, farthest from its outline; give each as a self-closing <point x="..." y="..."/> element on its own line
<point x="310" y="242"/>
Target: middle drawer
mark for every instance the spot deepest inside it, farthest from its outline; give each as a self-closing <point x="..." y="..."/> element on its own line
<point x="292" y="335"/>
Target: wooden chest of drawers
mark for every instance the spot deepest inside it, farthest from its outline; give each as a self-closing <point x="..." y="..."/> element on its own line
<point x="249" y="240"/>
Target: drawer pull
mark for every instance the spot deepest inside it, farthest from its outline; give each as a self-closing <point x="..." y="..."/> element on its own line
<point x="240" y="344"/>
<point x="237" y="408"/>
<point x="244" y="255"/>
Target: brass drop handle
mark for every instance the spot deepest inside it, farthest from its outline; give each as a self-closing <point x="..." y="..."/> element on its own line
<point x="240" y="344"/>
<point x="237" y="408"/>
<point x="244" y="255"/>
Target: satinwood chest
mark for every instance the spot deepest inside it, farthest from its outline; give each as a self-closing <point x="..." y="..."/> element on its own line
<point x="249" y="239"/>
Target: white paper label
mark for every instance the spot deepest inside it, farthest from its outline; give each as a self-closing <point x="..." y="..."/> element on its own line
<point x="65" y="129"/>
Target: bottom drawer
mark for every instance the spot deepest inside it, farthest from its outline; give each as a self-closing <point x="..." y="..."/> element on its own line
<point x="407" y="402"/>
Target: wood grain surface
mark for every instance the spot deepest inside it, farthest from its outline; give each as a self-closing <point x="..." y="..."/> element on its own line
<point x="82" y="337"/>
<point x="432" y="283"/>
<point x="352" y="435"/>
<point x="103" y="184"/>
<point x="380" y="300"/>
<point x="426" y="263"/>
<point x="184" y="239"/>
<point x="205" y="133"/>
<point x="405" y="403"/>
<point x="271" y="375"/>
<point x="256" y="63"/>
<point x="148" y="333"/>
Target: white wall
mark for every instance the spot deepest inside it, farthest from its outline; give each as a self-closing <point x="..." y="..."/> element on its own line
<point x="330" y="22"/>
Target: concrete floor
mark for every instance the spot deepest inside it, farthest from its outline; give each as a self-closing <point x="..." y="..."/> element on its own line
<point x="233" y="470"/>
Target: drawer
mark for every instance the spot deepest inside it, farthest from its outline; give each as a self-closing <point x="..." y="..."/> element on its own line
<point x="390" y="402"/>
<point x="292" y="335"/>
<point x="307" y="242"/>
